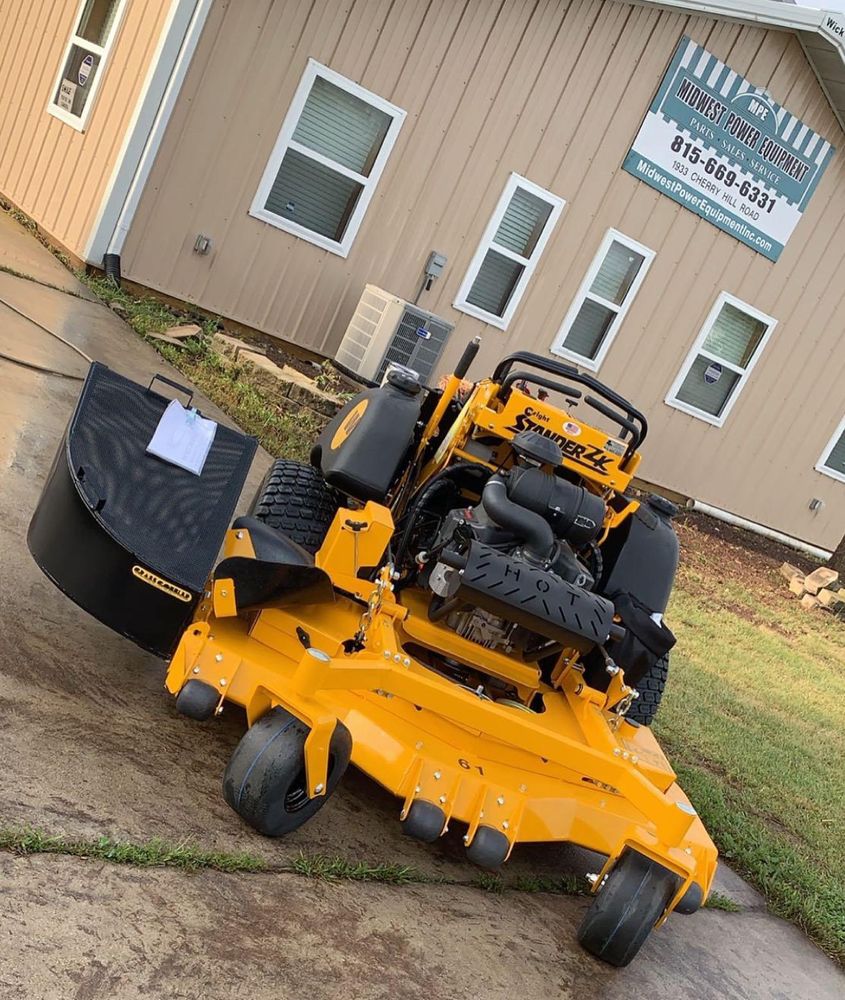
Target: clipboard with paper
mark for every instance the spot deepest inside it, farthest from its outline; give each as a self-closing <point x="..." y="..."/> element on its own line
<point x="183" y="438"/>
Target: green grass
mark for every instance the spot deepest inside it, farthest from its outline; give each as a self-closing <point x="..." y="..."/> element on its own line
<point x="752" y="722"/>
<point x="719" y="901"/>
<point x="335" y="869"/>
<point x="150" y="854"/>
<point x="281" y="432"/>
<point x="565" y="885"/>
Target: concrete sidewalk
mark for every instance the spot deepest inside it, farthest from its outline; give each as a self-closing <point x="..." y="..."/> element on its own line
<point x="93" y="747"/>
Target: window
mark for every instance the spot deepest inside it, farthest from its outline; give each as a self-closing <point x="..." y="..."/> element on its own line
<point x="721" y="360"/>
<point x="84" y="61"/>
<point x="509" y="251"/>
<point x="832" y="462"/>
<point x="328" y="158"/>
<point x="603" y="299"/>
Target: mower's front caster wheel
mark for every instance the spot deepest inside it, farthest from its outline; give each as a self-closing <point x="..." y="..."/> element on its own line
<point x="691" y="900"/>
<point x="197" y="700"/>
<point x="425" y="821"/>
<point x="265" y="778"/>
<point x="489" y="848"/>
<point x="626" y="908"/>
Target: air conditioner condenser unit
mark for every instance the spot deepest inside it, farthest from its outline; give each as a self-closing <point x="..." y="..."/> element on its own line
<point x="386" y="329"/>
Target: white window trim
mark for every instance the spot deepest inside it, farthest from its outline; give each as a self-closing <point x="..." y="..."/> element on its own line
<point x="584" y="293"/>
<point x="285" y="141"/>
<point x="723" y="299"/>
<point x="831" y="444"/>
<point x="530" y="263"/>
<point x="103" y="51"/>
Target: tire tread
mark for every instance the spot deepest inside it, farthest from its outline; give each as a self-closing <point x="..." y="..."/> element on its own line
<point x="296" y="500"/>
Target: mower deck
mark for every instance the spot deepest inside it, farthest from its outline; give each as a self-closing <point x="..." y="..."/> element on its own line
<point x="562" y="774"/>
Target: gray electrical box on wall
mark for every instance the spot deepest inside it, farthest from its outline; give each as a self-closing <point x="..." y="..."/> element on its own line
<point x="435" y="264"/>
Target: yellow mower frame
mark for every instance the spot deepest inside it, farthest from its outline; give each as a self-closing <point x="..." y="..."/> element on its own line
<point x="576" y="771"/>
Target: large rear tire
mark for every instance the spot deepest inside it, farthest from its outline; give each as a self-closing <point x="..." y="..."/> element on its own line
<point x="627" y="907"/>
<point x="651" y="687"/>
<point x="296" y="500"/>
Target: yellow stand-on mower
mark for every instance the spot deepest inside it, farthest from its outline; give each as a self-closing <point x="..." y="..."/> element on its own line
<point x="461" y="599"/>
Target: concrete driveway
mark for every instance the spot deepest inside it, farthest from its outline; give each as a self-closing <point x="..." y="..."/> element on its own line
<point x="92" y="747"/>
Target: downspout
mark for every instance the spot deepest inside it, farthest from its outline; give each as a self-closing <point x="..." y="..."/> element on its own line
<point x="759" y="529"/>
<point x="163" y="83"/>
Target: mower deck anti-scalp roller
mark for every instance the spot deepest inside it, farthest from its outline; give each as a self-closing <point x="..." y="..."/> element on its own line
<point x="460" y="595"/>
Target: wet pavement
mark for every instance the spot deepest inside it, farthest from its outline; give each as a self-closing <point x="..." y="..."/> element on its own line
<point x="93" y="747"/>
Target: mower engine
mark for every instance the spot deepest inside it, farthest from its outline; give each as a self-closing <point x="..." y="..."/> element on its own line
<point x="512" y="572"/>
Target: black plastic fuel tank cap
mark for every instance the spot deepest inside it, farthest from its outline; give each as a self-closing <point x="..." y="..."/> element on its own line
<point x="404" y="381"/>
<point x="662" y="505"/>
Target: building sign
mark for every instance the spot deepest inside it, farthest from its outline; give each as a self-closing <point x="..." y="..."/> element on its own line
<point x="67" y="91"/>
<point x="723" y="149"/>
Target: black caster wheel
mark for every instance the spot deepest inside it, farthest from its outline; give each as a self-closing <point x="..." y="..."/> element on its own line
<point x="489" y="848"/>
<point x="626" y="909"/>
<point x="425" y="821"/>
<point x="197" y="700"/>
<point x="265" y="778"/>
<point x="691" y="900"/>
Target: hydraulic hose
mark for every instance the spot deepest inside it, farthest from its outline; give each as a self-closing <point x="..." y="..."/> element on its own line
<point x="536" y="533"/>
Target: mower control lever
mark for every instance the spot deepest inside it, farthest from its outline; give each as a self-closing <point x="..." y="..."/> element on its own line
<point x="574" y="375"/>
<point x="547" y="383"/>
<point x="467" y="358"/>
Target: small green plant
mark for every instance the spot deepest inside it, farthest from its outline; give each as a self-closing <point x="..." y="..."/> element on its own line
<point x="565" y="885"/>
<point x="490" y="882"/>
<point x="152" y="853"/>
<point x="718" y="901"/>
<point x="336" y="869"/>
<point x="329" y="379"/>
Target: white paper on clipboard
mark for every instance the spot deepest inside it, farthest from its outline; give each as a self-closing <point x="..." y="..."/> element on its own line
<point x="183" y="438"/>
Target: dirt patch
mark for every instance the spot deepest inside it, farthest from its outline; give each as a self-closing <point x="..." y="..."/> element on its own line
<point x="765" y="551"/>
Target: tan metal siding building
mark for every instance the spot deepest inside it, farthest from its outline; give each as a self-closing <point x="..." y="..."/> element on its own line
<point x="52" y="172"/>
<point x="551" y="90"/>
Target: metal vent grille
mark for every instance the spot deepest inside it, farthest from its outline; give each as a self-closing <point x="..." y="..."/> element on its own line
<point x="417" y="343"/>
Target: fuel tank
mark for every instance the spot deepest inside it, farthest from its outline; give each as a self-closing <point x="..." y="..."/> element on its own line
<point x="641" y="555"/>
<point x="364" y="448"/>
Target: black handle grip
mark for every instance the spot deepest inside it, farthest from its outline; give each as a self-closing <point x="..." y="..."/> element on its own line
<point x="467" y="358"/>
<point x="182" y="388"/>
<point x="536" y="361"/>
<point x="617" y="418"/>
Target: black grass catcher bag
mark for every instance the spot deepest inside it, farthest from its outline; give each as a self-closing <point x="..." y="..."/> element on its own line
<point x="645" y="641"/>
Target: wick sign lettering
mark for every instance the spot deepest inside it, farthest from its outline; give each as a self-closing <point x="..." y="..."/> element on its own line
<point x="725" y="150"/>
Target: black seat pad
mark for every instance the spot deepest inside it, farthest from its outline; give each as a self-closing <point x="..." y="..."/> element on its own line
<point x="282" y="572"/>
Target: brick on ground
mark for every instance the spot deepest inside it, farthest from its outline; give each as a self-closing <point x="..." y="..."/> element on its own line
<point x="830" y="598"/>
<point x="183" y="332"/>
<point x="819" y="579"/>
<point x="231" y="347"/>
<point x="796" y="585"/>
<point x="303" y="390"/>
<point x="809" y="601"/>
<point x="173" y="341"/>
<point x="788" y="571"/>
